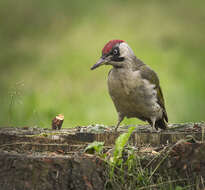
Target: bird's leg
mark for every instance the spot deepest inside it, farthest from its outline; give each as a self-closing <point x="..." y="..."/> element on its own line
<point x="120" y="118"/>
<point x="153" y="120"/>
<point x="153" y="123"/>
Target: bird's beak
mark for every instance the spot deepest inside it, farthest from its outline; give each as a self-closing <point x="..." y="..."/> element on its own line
<point x="100" y="62"/>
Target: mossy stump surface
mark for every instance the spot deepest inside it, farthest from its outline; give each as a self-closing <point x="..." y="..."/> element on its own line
<point x="36" y="158"/>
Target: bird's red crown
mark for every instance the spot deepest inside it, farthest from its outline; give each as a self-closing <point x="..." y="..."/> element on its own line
<point x="110" y="45"/>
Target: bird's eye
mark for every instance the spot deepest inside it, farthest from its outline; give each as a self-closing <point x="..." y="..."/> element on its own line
<point x="115" y="52"/>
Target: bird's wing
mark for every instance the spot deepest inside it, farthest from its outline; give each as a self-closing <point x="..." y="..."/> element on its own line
<point x="151" y="76"/>
<point x="161" y="102"/>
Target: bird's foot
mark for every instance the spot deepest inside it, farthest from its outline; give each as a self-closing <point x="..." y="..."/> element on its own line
<point x="154" y="130"/>
<point x="115" y="129"/>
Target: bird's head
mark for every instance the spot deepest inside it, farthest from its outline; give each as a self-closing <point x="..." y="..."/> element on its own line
<point x="116" y="53"/>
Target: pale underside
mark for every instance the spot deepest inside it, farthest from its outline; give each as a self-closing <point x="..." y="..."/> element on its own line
<point x="133" y="96"/>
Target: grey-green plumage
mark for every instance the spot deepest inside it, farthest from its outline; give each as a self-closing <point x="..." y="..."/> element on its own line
<point x="129" y="96"/>
<point x="151" y="76"/>
<point x="133" y="86"/>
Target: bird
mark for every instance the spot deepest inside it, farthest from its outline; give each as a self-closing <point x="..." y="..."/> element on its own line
<point x="133" y="86"/>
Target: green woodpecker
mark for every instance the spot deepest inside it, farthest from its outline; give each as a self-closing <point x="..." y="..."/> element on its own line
<point x="133" y="86"/>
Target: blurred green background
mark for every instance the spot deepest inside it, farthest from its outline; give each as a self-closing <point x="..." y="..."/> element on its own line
<point x="47" y="49"/>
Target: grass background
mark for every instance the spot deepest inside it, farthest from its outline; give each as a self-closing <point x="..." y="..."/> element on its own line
<point x="47" y="49"/>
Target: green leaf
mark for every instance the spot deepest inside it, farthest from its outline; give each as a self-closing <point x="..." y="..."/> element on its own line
<point x="178" y="188"/>
<point x="94" y="147"/>
<point x="120" y="143"/>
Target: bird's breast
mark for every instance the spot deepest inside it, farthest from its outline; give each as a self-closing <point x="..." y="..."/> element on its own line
<point x="123" y="83"/>
<point x="131" y="94"/>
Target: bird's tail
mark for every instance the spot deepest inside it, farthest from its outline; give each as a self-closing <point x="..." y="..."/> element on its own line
<point x="161" y="123"/>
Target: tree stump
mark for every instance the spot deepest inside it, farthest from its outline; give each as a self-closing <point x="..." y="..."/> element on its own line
<point x="37" y="158"/>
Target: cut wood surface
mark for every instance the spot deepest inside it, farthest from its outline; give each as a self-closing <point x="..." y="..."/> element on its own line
<point x="80" y="135"/>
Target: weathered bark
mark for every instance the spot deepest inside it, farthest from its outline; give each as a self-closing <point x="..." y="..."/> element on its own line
<point x="35" y="158"/>
<point x="48" y="172"/>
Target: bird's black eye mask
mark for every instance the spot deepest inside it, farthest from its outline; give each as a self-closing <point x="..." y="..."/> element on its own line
<point x="115" y="55"/>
